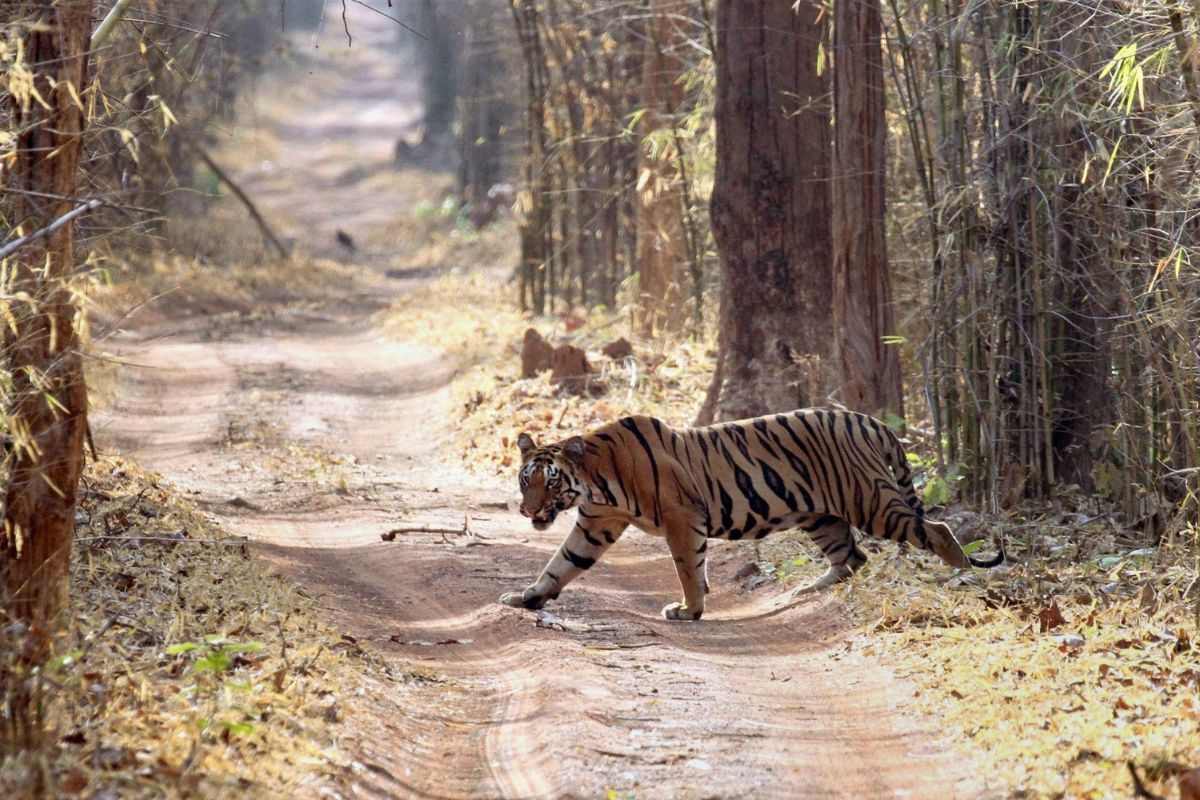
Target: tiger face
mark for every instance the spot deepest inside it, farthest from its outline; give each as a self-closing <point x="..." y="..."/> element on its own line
<point x="548" y="479"/>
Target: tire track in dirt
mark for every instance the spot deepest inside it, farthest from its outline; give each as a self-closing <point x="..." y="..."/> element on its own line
<point x="311" y="434"/>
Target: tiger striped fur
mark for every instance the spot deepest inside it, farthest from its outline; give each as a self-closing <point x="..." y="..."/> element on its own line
<point x="821" y="470"/>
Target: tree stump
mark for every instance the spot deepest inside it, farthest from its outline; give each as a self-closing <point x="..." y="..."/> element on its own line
<point x="571" y="369"/>
<point x="621" y="348"/>
<point x="536" y="354"/>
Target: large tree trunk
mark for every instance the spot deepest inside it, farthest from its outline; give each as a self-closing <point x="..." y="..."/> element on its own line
<point x="770" y="209"/>
<point x="47" y="406"/>
<point x="440" y="56"/>
<point x="486" y="111"/>
<point x="534" y="226"/>
<point x="862" y="302"/>
<point x="661" y="244"/>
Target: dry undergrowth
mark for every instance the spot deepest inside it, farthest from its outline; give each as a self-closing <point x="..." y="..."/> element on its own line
<point x="1056" y="707"/>
<point x="1060" y="670"/>
<point x="466" y="313"/>
<point x="187" y="669"/>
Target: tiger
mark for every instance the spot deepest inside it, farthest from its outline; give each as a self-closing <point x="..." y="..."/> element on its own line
<point x="824" y="471"/>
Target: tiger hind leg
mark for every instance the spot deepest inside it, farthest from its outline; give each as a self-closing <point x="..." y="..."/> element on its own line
<point x="836" y="540"/>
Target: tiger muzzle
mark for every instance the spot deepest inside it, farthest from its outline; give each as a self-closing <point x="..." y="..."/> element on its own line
<point x="541" y="518"/>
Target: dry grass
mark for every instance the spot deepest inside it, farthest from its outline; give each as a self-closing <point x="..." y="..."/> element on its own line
<point x="187" y="669"/>
<point x="1057" y="671"/>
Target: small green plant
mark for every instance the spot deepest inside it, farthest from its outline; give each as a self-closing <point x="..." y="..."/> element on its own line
<point x="790" y="570"/>
<point x="215" y="657"/>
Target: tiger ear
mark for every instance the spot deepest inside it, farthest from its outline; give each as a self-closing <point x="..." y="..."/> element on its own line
<point x="525" y="442"/>
<point x="573" y="447"/>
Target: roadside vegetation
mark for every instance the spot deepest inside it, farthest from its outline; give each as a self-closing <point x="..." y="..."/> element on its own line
<point x="187" y="669"/>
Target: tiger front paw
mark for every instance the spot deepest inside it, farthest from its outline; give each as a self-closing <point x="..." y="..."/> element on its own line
<point x="680" y="611"/>
<point x="523" y="599"/>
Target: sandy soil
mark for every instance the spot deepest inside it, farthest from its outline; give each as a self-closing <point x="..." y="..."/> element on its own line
<point x="306" y="431"/>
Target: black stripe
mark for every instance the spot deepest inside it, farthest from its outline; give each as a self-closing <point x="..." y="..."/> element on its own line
<point x="609" y="497"/>
<point x="583" y="562"/>
<point x="839" y="502"/>
<point x="745" y="484"/>
<point x="726" y="507"/>
<point x="776" y="485"/>
<point x="631" y="425"/>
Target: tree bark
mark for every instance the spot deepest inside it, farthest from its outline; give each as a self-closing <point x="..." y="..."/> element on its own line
<point x="862" y="295"/>
<point x="534" y="222"/>
<point x="47" y="404"/>
<point x="661" y="244"/>
<point x="485" y="109"/>
<point x="440" y="56"/>
<point x="770" y="209"/>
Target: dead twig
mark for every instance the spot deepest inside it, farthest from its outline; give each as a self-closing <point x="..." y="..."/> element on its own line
<point x="237" y="190"/>
<point x="388" y="536"/>
<point x="70" y="216"/>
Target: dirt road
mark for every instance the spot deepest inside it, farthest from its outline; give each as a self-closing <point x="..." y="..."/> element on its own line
<point x="311" y="434"/>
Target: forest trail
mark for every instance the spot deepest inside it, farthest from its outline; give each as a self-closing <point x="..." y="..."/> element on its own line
<point x="311" y="434"/>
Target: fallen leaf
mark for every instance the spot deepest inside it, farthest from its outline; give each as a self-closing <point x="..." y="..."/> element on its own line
<point x="755" y="582"/>
<point x="1050" y="617"/>
<point x="547" y="620"/>
<point x="74" y="782"/>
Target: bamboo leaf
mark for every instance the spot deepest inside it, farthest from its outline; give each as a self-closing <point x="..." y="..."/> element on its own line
<point x="1112" y="157"/>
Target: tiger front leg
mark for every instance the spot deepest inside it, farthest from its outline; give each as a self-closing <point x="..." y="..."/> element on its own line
<point x="579" y="551"/>
<point x="689" y="551"/>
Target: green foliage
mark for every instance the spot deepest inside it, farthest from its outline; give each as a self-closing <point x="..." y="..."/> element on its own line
<point x="937" y="491"/>
<point x="216" y="657"/>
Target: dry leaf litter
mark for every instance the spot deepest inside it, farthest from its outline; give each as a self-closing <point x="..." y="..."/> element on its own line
<point x="187" y="668"/>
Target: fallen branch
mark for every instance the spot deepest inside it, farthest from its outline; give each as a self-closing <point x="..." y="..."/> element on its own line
<point x="237" y="190"/>
<point x="388" y="536"/>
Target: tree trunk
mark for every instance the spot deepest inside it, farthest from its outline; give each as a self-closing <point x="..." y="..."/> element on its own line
<point x="661" y="244"/>
<point x="440" y="56"/>
<point x="534" y="226"/>
<point x="770" y="209"/>
<point x="862" y="295"/>
<point x="485" y="108"/>
<point x="47" y="404"/>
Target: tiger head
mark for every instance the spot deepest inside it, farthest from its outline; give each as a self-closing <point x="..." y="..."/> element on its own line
<point x="549" y="478"/>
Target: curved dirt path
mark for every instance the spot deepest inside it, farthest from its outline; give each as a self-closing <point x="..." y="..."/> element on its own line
<point x="311" y="434"/>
